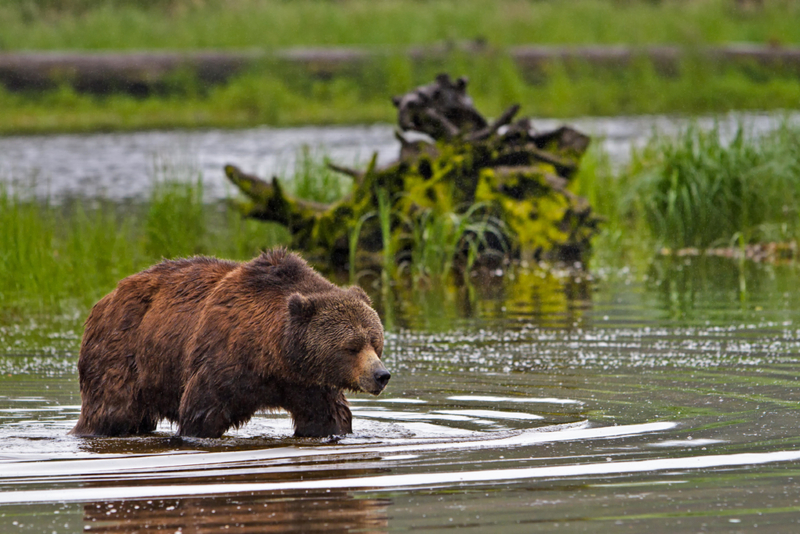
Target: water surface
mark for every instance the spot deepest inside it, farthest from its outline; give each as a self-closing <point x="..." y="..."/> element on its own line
<point x="124" y="165"/>
<point x="530" y="402"/>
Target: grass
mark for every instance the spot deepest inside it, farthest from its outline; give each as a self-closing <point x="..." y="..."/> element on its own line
<point x="385" y="216"/>
<point x="271" y="24"/>
<point x="699" y="190"/>
<point x="694" y="190"/>
<point x="55" y="258"/>
<point x="284" y="96"/>
<point x="312" y="179"/>
<point x="278" y="94"/>
<point x="441" y="241"/>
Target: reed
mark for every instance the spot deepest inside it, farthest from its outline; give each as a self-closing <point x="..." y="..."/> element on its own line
<point x="389" y="246"/>
<point x="438" y="242"/>
<point x="355" y="234"/>
<point x="699" y="190"/>
<point x="64" y="257"/>
<point x="175" y="222"/>
<point x="312" y="179"/>
<point x="51" y="256"/>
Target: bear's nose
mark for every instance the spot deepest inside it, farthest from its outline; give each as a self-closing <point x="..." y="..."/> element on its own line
<point x="382" y="377"/>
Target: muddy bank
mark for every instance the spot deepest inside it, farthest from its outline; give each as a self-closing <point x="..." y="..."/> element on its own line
<point x="144" y="71"/>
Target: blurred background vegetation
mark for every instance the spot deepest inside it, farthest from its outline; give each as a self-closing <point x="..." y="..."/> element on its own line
<point x="190" y="24"/>
<point x="690" y="191"/>
<point x="470" y="37"/>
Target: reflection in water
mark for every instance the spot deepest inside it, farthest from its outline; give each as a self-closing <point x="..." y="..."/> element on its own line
<point x="332" y="511"/>
<point x="693" y="287"/>
<point x="545" y="297"/>
<point x="533" y="401"/>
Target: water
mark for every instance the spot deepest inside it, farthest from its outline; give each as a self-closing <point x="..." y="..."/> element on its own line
<point x="529" y="402"/>
<point x="123" y="165"/>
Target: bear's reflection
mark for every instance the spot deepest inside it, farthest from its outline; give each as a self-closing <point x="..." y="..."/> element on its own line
<point x="334" y="511"/>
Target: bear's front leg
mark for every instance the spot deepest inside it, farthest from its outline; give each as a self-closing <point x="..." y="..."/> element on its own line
<point x="211" y="405"/>
<point x="318" y="412"/>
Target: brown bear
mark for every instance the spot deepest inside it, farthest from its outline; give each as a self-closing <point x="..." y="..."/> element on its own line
<point x="206" y="343"/>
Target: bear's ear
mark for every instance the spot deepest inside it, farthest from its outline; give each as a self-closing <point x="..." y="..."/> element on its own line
<point x="301" y="307"/>
<point x="360" y="293"/>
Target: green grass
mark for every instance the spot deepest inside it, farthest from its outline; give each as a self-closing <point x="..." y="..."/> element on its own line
<point x="270" y="24"/>
<point x="696" y="190"/>
<point x="438" y="242"/>
<point x="61" y="258"/>
<point x="692" y="190"/>
<point x="314" y="180"/>
<point x="280" y="95"/>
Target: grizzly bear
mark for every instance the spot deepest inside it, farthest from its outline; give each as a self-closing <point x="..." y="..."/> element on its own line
<point x="206" y="343"/>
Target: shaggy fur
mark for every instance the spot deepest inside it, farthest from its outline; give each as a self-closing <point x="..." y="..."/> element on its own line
<point x="206" y="343"/>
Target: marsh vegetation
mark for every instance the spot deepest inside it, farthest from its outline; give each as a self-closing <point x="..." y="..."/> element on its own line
<point x="62" y="255"/>
<point x="282" y="93"/>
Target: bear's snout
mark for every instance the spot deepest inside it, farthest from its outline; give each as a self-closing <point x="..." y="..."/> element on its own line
<point x="373" y="376"/>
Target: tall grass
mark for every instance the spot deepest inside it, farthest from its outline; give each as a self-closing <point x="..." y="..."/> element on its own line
<point x="438" y="242"/>
<point x="314" y="180"/>
<point x="50" y="254"/>
<point x="699" y="191"/>
<point x="385" y="216"/>
<point x="62" y="257"/>
<point x="175" y="223"/>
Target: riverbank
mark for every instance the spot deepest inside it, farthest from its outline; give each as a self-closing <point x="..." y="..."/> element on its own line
<point x="277" y="94"/>
<point x="668" y="68"/>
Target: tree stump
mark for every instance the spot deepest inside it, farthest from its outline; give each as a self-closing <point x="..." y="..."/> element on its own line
<point x="504" y="184"/>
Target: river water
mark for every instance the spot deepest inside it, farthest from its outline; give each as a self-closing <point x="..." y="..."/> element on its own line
<point x="124" y="165"/>
<point x="527" y="401"/>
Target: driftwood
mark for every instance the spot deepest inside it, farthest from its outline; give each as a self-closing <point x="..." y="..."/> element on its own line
<point x="502" y="171"/>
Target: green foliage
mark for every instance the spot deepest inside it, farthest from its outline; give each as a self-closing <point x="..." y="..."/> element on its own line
<point x="49" y="253"/>
<point x="281" y="95"/>
<point x="182" y="24"/>
<point x="698" y="191"/>
<point x="175" y="221"/>
<point x="60" y="258"/>
<point x="438" y="239"/>
<point x="314" y="180"/>
<point x="385" y="216"/>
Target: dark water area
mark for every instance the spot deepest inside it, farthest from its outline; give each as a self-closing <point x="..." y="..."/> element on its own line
<point x="526" y="401"/>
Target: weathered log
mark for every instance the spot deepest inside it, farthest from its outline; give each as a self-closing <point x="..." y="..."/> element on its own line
<point x="268" y="202"/>
<point x="505" y="173"/>
<point x="506" y="117"/>
<point x="441" y="109"/>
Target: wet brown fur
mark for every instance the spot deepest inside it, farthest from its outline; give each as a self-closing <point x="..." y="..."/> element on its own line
<point x="206" y="343"/>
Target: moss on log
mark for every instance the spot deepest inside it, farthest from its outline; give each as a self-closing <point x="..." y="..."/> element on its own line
<point x="503" y="174"/>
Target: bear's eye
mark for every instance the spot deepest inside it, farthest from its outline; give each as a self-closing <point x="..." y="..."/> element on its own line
<point x="352" y="349"/>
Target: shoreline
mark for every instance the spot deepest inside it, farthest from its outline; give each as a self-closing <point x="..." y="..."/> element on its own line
<point x="142" y="71"/>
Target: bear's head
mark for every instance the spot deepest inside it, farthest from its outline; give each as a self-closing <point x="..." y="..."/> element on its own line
<point x="337" y="340"/>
